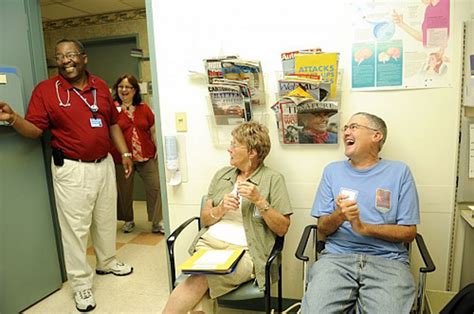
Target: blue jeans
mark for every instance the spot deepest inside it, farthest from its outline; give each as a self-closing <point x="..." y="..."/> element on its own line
<point x="340" y="283"/>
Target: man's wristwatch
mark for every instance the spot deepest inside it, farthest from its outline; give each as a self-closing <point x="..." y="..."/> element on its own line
<point x="127" y="155"/>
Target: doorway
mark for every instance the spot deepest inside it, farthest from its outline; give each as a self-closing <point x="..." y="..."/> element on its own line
<point x="109" y="58"/>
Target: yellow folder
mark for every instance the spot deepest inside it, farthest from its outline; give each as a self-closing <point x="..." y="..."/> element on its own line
<point x="207" y="261"/>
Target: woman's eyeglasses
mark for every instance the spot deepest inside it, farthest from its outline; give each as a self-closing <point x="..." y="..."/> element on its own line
<point x="124" y="87"/>
<point x="233" y="145"/>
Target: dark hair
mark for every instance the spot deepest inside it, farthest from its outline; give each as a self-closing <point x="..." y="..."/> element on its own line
<point x="77" y="43"/>
<point x="137" y="98"/>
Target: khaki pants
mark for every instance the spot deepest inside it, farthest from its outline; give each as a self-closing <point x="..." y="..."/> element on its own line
<point x="85" y="199"/>
<point x="148" y="171"/>
<point x="222" y="284"/>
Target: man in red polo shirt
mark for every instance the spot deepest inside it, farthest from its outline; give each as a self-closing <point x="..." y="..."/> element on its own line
<point x="77" y="108"/>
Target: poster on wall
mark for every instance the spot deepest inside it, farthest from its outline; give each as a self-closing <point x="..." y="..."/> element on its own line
<point x="468" y="99"/>
<point x="401" y="44"/>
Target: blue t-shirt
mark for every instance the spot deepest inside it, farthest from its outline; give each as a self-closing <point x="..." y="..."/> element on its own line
<point x="385" y="194"/>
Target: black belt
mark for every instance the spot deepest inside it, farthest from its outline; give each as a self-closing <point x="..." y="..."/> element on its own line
<point x="82" y="160"/>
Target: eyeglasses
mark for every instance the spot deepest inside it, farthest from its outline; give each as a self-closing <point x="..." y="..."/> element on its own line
<point x="356" y="126"/>
<point x="70" y="55"/>
<point x="233" y="145"/>
<point x="125" y="87"/>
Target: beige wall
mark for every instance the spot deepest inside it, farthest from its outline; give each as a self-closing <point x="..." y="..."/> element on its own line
<point x="423" y="124"/>
<point x="104" y="26"/>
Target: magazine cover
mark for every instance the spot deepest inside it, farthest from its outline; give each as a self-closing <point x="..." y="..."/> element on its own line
<point x="307" y="121"/>
<point x="316" y="89"/>
<point x="244" y="89"/>
<point x="213" y="67"/>
<point x="288" y="59"/>
<point x="250" y="71"/>
<point x="324" y="64"/>
<point x="287" y="121"/>
<point x="227" y="104"/>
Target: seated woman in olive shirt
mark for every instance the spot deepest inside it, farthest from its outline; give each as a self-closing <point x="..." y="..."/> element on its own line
<point x="247" y="207"/>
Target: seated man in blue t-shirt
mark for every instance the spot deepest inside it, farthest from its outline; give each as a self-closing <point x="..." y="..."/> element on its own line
<point x="367" y="207"/>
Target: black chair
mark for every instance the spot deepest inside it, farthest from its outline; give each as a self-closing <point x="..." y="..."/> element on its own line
<point x="429" y="266"/>
<point x="246" y="291"/>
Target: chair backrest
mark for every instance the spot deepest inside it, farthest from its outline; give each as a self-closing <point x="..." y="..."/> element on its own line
<point x="462" y="303"/>
<point x="318" y="246"/>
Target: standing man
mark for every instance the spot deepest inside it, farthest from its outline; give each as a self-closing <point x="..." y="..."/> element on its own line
<point x="78" y="109"/>
<point x="367" y="207"/>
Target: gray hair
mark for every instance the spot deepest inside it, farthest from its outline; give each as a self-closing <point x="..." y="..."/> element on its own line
<point x="376" y="123"/>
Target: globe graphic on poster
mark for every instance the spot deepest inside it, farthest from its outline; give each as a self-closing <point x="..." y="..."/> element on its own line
<point x="384" y="30"/>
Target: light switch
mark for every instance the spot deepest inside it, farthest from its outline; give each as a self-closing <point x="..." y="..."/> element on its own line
<point x="3" y="79"/>
<point x="181" y="122"/>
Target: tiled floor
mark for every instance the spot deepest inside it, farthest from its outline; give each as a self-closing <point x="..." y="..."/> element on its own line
<point x="144" y="291"/>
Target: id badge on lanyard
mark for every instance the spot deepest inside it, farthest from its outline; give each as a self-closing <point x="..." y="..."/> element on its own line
<point x="94" y="121"/>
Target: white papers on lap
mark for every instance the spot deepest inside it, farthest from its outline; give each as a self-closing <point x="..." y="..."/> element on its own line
<point x="211" y="259"/>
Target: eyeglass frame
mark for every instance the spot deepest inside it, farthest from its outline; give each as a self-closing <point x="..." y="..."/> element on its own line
<point x="233" y="145"/>
<point x="70" y="55"/>
<point x="356" y="126"/>
<point x="125" y="87"/>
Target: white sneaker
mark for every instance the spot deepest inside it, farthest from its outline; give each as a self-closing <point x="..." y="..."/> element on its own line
<point x="128" y="226"/>
<point x="117" y="268"/>
<point x="158" y="228"/>
<point x="84" y="300"/>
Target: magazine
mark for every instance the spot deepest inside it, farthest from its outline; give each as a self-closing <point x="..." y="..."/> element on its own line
<point x="287" y="120"/>
<point x="213" y="67"/>
<point x="323" y="64"/>
<point x="316" y="89"/>
<point x="312" y="106"/>
<point x="228" y="104"/>
<point x="288" y="59"/>
<point x="244" y="89"/>
<point x="250" y="71"/>
<point x="306" y="120"/>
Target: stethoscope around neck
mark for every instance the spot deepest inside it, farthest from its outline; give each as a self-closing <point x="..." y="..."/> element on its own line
<point x="93" y="108"/>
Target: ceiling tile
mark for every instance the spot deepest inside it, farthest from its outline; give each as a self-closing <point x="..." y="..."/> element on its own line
<point x="57" y="12"/>
<point x="99" y="7"/>
<point x="63" y="9"/>
<point x="137" y="4"/>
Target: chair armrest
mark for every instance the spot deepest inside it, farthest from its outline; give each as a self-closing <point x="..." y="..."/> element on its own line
<point x="304" y="242"/>
<point x="174" y="235"/>
<point x="276" y="251"/>
<point x="425" y="255"/>
<point x="170" y="244"/>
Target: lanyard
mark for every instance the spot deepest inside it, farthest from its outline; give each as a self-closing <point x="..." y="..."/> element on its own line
<point x="93" y="108"/>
